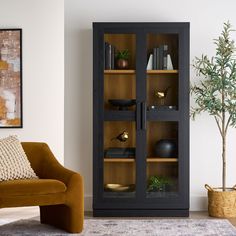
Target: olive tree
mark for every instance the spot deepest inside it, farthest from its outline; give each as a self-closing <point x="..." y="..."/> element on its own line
<point x="215" y="90"/>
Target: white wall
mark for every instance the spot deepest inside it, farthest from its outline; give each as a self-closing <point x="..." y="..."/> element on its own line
<point x="206" y="18"/>
<point x="43" y="69"/>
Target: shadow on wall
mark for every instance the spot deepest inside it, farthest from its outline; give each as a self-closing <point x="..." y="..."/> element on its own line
<point x="78" y="103"/>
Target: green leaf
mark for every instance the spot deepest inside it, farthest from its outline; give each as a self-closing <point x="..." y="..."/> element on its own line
<point x="215" y="90"/>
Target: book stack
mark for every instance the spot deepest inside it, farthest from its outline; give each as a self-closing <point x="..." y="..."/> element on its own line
<point x="160" y="59"/>
<point x="119" y="153"/>
<point x="109" y="56"/>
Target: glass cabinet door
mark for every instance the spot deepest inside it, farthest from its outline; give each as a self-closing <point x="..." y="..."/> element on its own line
<point x="119" y="127"/>
<point x="162" y="102"/>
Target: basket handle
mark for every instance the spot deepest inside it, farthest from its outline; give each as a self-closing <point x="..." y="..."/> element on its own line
<point x="210" y="188"/>
<point x="234" y="187"/>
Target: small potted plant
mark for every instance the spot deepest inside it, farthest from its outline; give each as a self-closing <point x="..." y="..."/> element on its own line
<point x="158" y="184"/>
<point x="122" y="59"/>
<point x="215" y="93"/>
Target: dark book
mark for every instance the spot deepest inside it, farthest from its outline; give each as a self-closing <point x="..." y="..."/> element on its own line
<point x="112" y="57"/>
<point x="154" y="66"/>
<point x="158" y="60"/>
<point x="165" y="52"/>
<point x="119" y="152"/>
<point x="161" y="52"/>
<point x="108" y="51"/>
<point x="104" y="56"/>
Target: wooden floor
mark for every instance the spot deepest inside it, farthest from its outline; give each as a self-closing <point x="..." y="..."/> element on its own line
<point x="8" y="215"/>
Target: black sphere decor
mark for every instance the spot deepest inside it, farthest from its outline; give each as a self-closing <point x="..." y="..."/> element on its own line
<point x="166" y="148"/>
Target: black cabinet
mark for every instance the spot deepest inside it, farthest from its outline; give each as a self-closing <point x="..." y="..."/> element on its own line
<point x="141" y="119"/>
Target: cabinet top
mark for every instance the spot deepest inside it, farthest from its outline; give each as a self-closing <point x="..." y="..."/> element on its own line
<point x="140" y="24"/>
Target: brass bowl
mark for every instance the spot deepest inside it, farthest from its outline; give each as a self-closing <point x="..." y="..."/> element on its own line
<point x="117" y="187"/>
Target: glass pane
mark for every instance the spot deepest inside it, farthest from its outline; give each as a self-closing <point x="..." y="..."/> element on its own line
<point x="162" y="159"/>
<point x="162" y="72"/>
<point x="119" y="159"/>
<point x="115" y="43"/>
<point x="119" y="92"/>
<point x="162" y="92"/>
<point x="119" y="71"/>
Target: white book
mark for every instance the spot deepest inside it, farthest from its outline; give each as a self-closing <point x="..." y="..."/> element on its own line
<point x="150" y="62"/>
<point x="169" y="63"/>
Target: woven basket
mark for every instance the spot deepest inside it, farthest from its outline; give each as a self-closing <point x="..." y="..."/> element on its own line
<point x="221" y="204"/>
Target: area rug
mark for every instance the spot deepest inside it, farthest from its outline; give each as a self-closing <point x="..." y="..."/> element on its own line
<point x="127" y="227"/>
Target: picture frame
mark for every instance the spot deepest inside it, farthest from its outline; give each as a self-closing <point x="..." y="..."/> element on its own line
<point x="11" y="115"/>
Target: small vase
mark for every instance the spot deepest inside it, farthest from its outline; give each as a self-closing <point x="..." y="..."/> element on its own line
<point x="122" y="64"/>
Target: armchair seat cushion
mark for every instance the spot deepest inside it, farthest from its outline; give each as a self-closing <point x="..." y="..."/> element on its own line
<point x="31" y="187"/>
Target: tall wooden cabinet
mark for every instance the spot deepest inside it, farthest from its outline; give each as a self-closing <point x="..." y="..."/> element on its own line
<point x="141" y="151"/>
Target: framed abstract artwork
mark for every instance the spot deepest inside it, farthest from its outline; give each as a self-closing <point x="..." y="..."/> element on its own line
<point x="11" y="78"/>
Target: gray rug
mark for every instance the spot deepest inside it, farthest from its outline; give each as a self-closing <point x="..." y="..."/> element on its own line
<point x="117" y="227"/>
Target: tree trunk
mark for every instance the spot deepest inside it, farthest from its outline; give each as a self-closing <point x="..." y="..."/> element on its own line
<point x="224" y="161"/>
<point x="223" y="134"/>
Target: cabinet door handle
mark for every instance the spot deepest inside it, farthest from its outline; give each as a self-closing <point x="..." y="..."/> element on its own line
<point x="138" y="118"/>
<point x="144" y="116"/>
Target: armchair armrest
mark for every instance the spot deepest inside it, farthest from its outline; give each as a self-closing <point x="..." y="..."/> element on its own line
<point x="46" y="165"/>
<point x="68" y="216"/>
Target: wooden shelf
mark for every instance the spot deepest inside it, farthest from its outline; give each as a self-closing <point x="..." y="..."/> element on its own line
<point x="154" y="159"/>
<point x="150" y="72"/>
<point x="119" y="160"/>
<point x="119" y="72"/>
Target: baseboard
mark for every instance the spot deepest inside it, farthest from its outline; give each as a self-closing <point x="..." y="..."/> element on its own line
<point x="88" y="203"/>
<point x="197" y="203"/>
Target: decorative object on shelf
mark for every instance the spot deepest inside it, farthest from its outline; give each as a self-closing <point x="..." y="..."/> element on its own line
<point x="156" y="59"/>
<point x="158" y="184"/>
<point x="150" y="62"/>
<point x="119" y="153"/>
<point x="10" y="78"/>
<point x="161" y="95"/>
<point x="122" y="59"/>
<point x="122" y="137"/>
<point x="162" y="108"/>
<point x="166" y="148"/>
<point x="169" y="63"/>
<point x="119" y="187"/>
<point x="122" y="104"/>
<point x="215" y="93"/>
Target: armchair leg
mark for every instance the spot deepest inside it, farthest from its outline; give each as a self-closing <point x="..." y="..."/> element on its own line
<point x="62" y="216"/>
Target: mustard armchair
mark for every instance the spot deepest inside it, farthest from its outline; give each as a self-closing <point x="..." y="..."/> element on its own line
<point x="58" y="191"/>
